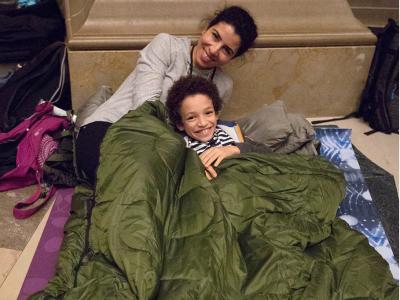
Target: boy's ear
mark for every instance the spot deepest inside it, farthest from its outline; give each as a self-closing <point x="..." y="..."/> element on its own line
<point x="180" y="127"/>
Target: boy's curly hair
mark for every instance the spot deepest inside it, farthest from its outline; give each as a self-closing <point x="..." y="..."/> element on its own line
<point x="189" y="86"/>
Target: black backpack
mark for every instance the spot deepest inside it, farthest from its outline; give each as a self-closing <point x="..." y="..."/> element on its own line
<point x="380" y="98"/>
<point x="59" y="166"/>
<point x="25" y="31"/>
<point x="45" y="77"/>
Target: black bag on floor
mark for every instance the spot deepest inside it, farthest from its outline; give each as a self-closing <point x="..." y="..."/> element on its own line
<point x="59" y="167"/>
<point x="44" y="77"/>
<point x="43" y="8"/>
<point x="25" y="31"/>
<point x="23" y="37"/>
<point x="380" y="98"/>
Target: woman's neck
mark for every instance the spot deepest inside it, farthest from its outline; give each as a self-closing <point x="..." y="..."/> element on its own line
<point x="193" y="60"/>
<point x="210" y="73"/>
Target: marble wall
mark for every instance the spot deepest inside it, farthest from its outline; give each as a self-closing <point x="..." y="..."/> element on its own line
<point x="314" y="81"/>
<point x="91" y="69"/>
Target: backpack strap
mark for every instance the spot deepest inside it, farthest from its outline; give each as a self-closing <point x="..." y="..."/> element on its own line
<point x="32" y="204"/>
<point x="59" y="157"/>
<point x="351" y="115"/>
<point x="374" y="130"/>
<point x="25" y="208"/>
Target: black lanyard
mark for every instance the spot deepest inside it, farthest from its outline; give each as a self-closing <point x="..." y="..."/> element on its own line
<point x="191" y="65"/>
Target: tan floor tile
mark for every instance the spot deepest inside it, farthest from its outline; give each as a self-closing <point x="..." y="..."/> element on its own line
<point x="13" y="283"/>
<point x="15" y="233"/>
<point x="8" y="258"/>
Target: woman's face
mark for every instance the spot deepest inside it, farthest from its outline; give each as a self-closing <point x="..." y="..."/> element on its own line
<point x="216" y="47"/>
<point x="198" y="116"/>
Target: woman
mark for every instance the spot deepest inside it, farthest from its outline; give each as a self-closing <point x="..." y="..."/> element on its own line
<point x="163" y="61"/>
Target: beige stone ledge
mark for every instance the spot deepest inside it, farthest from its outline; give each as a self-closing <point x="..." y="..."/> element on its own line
<point x="315" y="81"/>
<point x="131" y="24"/>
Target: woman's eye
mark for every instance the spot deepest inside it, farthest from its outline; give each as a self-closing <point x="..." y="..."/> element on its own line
<point x="227" y="51"/>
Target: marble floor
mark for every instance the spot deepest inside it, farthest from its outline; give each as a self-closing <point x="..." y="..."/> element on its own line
<point x="19" y="238"/>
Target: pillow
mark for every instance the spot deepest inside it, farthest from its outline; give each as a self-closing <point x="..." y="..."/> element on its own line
<point x="269" y="125"/>
<point x="302" y="139"/>
<point x="94" y="101"/>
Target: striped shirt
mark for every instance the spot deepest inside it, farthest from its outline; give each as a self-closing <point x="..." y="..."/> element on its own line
<point x="219" y="139"/>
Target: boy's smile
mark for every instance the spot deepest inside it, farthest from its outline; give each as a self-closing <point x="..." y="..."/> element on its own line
<point x="198" y="117"/>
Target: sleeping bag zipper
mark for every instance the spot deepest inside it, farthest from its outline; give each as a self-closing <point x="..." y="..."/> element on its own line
<point x="87" y="252"/>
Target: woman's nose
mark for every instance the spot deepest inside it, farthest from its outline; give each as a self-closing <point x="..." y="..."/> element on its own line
<point x="214" y="49"/>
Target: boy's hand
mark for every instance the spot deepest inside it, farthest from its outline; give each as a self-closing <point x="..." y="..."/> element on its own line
<point x="208" y="174"/>
<point x="212" y="158"/>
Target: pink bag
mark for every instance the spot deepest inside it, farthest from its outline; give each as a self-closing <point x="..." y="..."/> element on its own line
<point x="33" y="150"/>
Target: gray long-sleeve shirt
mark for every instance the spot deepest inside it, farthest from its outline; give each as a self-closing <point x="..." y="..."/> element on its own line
<point x="163" y="61"/>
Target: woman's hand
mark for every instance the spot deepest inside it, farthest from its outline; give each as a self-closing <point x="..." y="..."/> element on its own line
<point x="212" y="158"/>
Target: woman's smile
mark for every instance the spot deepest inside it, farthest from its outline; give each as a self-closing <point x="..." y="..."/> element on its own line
<point x="205" y="57"/>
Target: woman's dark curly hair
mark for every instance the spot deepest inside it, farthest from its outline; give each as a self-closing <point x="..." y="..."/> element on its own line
<point x="243" y="23"/>
<point x="189" y="86"/>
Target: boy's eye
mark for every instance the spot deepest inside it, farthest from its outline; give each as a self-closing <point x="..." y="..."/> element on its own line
<point x="210" y="112"/>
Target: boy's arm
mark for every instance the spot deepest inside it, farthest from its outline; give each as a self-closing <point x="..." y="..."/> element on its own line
<point x="212" y="157"/>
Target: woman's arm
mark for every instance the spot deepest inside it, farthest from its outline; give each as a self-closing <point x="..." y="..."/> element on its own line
<point x="152" y="65"/>
<point x="144" y="83"/>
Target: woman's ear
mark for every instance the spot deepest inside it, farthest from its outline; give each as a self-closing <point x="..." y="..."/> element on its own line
<point x="180" y="127"/>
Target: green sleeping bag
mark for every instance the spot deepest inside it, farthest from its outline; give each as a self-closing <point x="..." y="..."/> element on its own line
<point x="156" y="228"/>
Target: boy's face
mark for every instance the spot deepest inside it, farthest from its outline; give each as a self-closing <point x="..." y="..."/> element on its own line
<point x="198" y="116"/>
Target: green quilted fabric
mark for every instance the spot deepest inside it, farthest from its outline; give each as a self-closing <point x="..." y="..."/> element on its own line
<point x="156" y="228"/>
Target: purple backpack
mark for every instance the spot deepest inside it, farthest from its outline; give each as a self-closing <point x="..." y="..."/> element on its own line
<point x="35" y="147"/>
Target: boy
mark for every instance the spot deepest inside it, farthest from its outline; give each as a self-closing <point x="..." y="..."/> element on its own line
<point x="193" y="105"/>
